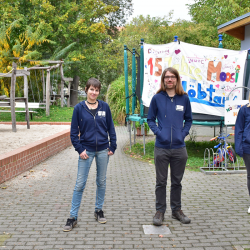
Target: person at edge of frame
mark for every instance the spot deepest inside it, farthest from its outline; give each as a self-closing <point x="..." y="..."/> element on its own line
<point x="171" y="107"/>
<point x="242" y="139"/>
<point x="93" y="120"/>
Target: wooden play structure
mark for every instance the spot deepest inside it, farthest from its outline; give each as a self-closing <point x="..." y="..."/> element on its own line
<point x="10" y="102"/>
<point x="48" y="96"/>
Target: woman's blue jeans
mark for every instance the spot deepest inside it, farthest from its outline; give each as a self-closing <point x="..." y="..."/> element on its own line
<point x="101" y="158"/>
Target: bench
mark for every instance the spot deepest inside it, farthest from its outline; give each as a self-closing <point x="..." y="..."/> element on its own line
<point x="31" y="105"/>
<point x="19" y="111"/>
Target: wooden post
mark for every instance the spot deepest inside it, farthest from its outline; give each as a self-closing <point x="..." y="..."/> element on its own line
<point x="25" y="79"/>
<point x="44" y="94"/>
<point x="27" y="113"/>
<point x="25" y="94"/>
<point x="12" y="97"/>
<point x="62" y="84"/>
<point x="68" y="101"/>
<point x="48" y="93"/>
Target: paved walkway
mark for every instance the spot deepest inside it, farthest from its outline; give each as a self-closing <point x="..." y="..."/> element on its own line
<point x="34" y="208"/>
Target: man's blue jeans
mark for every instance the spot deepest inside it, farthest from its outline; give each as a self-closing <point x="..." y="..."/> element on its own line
<point x="101" y="158"/>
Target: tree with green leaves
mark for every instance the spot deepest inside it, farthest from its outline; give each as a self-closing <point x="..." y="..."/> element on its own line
<point x="213" y="13"/>
<point x="118" y="18"/>
<point x="70" y="30"/>
<point x="217" y="12"/>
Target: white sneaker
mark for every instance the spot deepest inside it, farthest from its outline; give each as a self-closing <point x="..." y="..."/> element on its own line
<point x="248" y="210"/>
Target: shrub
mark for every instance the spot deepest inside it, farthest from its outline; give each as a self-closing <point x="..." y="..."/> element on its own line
<point x="117" y="99"/>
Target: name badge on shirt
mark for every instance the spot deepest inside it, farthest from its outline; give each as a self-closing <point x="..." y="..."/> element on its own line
<point x="102" y="113"/>
<point x="179" y="107"/>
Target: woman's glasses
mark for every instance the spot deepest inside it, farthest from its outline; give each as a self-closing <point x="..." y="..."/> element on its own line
<point x="169" y="77"/>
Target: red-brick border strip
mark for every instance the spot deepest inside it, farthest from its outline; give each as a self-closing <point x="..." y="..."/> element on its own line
<point x="24" y="158"/>
<point x="38" y="123"/>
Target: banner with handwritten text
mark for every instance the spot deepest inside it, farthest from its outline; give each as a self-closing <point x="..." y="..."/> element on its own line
<point x="207" y="74"/>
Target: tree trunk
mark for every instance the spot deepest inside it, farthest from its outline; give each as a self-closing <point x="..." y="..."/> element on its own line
<point x="74" y="91"/>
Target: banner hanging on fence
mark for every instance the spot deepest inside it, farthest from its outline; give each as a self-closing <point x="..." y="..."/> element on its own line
<point x="207" y="74"/>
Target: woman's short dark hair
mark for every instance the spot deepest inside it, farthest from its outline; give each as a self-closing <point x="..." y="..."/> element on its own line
<point x="93" y="82"/>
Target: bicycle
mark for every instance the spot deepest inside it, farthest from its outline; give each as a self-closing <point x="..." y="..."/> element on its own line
<point x="222" y="152"/>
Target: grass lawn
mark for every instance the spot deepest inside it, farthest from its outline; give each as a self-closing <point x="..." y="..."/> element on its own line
<point x="195" y="153"/>
<point x="57" y="114"/>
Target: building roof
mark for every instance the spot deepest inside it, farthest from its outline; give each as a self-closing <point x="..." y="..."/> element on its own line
<point x="235" y="27"/>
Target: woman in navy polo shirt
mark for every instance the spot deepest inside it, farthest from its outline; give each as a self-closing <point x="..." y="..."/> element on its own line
<point x="91" y="129"/>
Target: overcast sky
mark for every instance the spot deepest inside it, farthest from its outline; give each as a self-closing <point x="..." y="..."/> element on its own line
<point x="160" y="8"/>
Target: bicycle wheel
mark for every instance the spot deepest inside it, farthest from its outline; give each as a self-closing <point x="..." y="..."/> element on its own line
<point x="231" y="155"/>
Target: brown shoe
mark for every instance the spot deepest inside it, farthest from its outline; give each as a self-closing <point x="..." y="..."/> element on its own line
<point x="158" y="218"/>
<point x="179" y="215"/>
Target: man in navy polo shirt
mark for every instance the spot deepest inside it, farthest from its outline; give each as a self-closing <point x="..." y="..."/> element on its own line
<point x="171" y="107"/>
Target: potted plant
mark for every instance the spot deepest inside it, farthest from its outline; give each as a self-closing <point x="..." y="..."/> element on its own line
<point x="138" y="128"/>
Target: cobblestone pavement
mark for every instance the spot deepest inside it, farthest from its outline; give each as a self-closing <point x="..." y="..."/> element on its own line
<point x="36" y="204"/>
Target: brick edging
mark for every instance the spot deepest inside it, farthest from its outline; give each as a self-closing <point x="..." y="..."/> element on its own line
<point x="24" y="158"/>
<point x="38" y="123"/>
